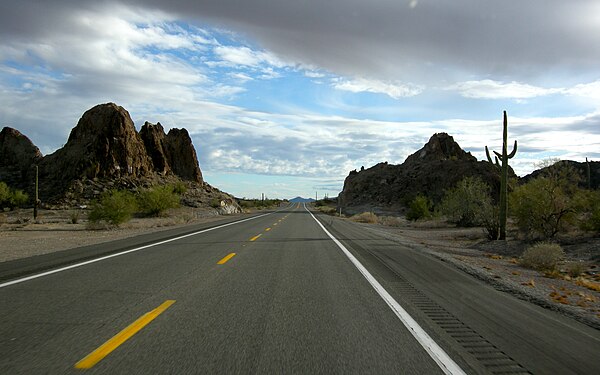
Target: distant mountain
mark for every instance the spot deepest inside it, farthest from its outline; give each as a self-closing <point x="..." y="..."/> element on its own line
<point x="301" y="200"/>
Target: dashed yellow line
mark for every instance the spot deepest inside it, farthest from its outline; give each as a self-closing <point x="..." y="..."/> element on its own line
<point x="105" y="349"/>
<point x="224" y="260"/>
<point x="255" y="237"/>
<point x="268" y="229"/>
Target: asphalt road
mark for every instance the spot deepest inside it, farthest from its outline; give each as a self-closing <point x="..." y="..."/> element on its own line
<point x="289" y="301"/>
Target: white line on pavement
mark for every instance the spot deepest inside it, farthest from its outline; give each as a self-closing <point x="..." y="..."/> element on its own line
<point x="443" y="360"/>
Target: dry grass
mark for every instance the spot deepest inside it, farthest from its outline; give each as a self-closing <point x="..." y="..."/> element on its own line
<point x="542" y="256"/>
<point x="588" y="284"/>
<point x="392" y="221"/>
<point x="365" y="217"/>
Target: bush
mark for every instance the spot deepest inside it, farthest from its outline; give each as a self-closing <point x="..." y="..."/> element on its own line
<point x="419" y="208"/>
<point x="589" y="206"/>
<point x="469" y="204"/>
<point x="12" y="198"/>
<point x="543" y="207"/>
<point x="575" y="269"/>
<point x="179" y="188"/>
<point x="215" y="203"/>
<point x="115" y="207"/>
<point x="542" y="256"/>
<point x="365" y="217"/>
<point x="155" y="201"/>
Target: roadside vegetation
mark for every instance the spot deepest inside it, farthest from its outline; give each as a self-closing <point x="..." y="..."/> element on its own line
<point x="12" y="198"/>
<point x="116" y="207"/>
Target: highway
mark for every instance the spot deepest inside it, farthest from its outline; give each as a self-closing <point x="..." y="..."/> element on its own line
<point x="286" y="292"/>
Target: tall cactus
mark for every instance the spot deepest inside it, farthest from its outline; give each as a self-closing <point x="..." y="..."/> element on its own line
<point x="504" y="157"/>
<point x="588" y="174"/>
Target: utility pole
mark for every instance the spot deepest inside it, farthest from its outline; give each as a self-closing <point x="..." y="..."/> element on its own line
<point x="316" y="196"/>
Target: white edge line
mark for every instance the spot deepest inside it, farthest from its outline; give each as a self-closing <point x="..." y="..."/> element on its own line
<point x="441" y="358"/>
<point x="21" y="280"/>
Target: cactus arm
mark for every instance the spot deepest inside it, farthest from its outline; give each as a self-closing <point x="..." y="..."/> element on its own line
<point x="497" y="162"/>
<point x="498" y="155"/>
<point x="514" y="151"/>
<point x="487" y="153"/>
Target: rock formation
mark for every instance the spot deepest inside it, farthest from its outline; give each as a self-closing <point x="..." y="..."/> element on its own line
<point x="17" y="156"/>
<point x="438" y="166"/>
<point x="579" y="168"/>
<point x="105" y="151"/>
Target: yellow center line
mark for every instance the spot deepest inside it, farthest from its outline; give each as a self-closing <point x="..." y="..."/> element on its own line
<point x="224" y="260"/>
<point x="255" y="237"/>
<point x="97" y="355"/>
<point x="274" y="224"/>
<point x="268" y="229"/>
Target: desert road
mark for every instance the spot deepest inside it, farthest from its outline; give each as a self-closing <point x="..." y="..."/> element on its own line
<point x="288" y="292"/>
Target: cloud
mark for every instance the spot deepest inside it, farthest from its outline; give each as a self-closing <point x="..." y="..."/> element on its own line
<point x="489" y="89"/>
<point x="393" y="90"/>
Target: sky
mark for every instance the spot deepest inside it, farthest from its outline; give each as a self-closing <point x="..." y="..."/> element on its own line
<point x="285" y="98"/>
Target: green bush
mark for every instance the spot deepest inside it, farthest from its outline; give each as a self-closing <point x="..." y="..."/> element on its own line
<point x="115" y="207"/>
<point x="589" y="208"/>
<point x="179" y="188"/>
<point x="12" y="198"/>
<point x="156" y="200"/>
<point x="419" y="208"/>
<point x="469" y="203"/>
<point x="215" y="203"/>
<point x="542" y="256"/>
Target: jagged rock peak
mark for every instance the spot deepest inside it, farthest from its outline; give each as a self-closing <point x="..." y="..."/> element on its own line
<point x="440" y="146"/>
<point x="154" y="136"/>
<point x="181" y="155"/>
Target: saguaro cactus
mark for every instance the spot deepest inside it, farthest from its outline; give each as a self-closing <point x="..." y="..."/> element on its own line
<point x="588" y="174"/>
<point x="503" y="168"/>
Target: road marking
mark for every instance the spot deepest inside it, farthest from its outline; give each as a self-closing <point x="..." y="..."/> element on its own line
<point x="105" y="349"/>
<point x="255" y="237"/>
<point x="268" y="229"/>
<point x="441" y="358"/>
<point x="17" y="281"/>
<point x="224" y="260"/>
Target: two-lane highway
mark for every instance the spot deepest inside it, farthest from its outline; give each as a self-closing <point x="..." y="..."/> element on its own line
<point x="273" y="294"/>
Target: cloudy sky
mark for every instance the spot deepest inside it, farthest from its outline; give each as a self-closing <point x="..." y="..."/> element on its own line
<point x="286" y="97"/>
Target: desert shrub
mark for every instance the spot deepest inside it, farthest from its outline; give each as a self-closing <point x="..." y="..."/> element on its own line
<point x="575" y="269"/>
<point x="179" y="188"/>
<point x="543" y="256"/>
<point x="74" y="217"/>
<point x="4" y="193"/>
<point x="589" y="210"/>
<point x="114" y="206"/>
<point x="391" y="221"/>
<point x="156" y="200"/>
<point x="327" y="210"/>
<point x="365" y="217"/>
<point x="419" y="208"/>
<point x="215" y="203"/>
<point x="18" y="198"/>
<point x="12" y="198"/>
<point x="545" y="206"/>
<point x="469" y="204"/>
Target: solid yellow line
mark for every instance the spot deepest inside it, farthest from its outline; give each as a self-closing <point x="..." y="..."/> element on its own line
<point x="255" y="237"/>
<point x="97" y="355"/>
<point x="268" y="229"/>
<point x="224" y="260"/>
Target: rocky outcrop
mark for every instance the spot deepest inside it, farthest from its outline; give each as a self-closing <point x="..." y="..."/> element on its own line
<point x="172" y="153"/>
<point x="105" y="151"/>
<point x="153" y="136"/>
<point x="18" y="155"/>
<point x="438" y="166"/>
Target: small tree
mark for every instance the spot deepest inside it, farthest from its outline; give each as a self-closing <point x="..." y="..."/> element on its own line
<point x="469" y="203"/>
<point x="115" y="207"/>
<point x="543" y="206"/>
<point x="419" y="208"/>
